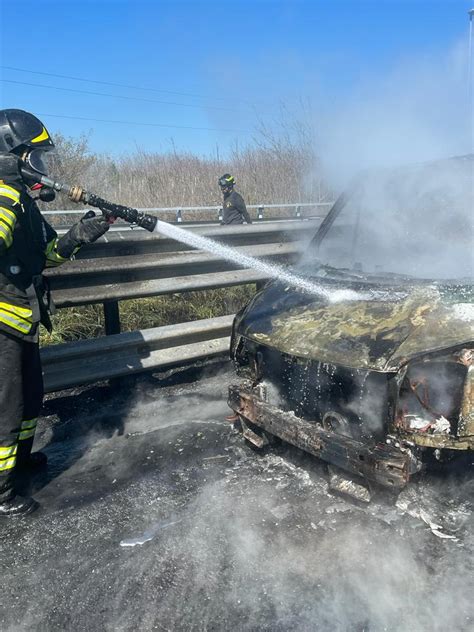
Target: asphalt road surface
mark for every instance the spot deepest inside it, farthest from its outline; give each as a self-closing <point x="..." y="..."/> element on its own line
<point x="157" y="516"/>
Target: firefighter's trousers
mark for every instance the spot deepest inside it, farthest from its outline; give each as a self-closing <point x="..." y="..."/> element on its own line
<point x="21" y="397"/>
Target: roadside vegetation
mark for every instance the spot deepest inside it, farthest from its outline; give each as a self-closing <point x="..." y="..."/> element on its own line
<point x="280" y="165"/>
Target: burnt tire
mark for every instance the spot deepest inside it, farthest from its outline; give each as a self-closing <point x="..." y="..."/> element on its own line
<point x="334" y="421"/>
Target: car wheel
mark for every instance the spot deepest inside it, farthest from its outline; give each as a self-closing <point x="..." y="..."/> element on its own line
<point x="337" y="423"/>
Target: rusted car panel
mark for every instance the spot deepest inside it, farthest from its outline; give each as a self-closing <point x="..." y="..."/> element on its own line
<point x="393" y="368"/>
<point x="382" y="464"/>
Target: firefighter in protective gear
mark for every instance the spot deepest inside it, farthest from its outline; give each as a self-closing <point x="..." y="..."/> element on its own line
<point x="234" y="209"/>
<point x="28" y="245"/>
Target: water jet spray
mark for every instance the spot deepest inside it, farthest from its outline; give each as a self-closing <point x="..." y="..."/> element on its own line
<point x="271" y="270"/>
<point x="149" y="222"/>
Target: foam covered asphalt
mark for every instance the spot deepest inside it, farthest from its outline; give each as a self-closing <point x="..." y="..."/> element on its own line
<point x="156" y="516"/>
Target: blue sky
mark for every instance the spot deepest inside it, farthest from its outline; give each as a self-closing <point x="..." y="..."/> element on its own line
<point x="218" y="66"/>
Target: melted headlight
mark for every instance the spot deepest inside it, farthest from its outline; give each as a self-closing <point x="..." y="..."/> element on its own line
<point x="433" y="395"/>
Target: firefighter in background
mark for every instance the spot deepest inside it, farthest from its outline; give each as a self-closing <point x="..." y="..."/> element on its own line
<point x="28" y="244"/>
<point x="234" y="212"/>
<point x="234" y="209"/>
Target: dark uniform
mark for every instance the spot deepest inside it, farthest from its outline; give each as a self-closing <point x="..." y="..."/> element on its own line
<point x="28" y="245"/>
<point x="234" y="209"/>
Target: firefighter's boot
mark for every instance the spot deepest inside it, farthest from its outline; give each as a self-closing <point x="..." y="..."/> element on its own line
<point x="17" y="506"/>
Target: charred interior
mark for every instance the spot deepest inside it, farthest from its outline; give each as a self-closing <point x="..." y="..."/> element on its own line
<point x="432" y="394"/>
<point x="349" y="402"/>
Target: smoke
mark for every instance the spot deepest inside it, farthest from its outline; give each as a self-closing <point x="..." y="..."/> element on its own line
<point x="269" y="574"/>
<point x="413" y="221"/>
<point x="417" y="111"/>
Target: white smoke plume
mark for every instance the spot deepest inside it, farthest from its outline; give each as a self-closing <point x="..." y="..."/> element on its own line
<point x="418" y="110"/>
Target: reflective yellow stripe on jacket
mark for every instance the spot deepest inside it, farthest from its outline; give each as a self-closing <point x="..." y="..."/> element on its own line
<point x="7" y="224"/>
<point x="19" y="318"/>
<point x="9" y="192"/>
<point x="7" y="216"/>
<point x="6" y="234"/>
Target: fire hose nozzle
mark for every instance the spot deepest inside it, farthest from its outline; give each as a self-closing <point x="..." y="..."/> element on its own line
<point x="148" y="222"/>
<point x="109" y="209"/>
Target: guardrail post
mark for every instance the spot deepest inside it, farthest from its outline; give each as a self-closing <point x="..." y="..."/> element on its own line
<point x="260" y="212"/>
<point x="179" y="217"/>
<point x="112" y="318"/>
<point x="298" y="212"/>
<point x="221" y="214"/>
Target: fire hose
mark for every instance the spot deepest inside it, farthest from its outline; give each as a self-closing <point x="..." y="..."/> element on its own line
<point x="109" y="209"/>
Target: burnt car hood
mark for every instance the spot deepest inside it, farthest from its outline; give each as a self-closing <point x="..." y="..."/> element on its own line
<point x="381" y="331"/>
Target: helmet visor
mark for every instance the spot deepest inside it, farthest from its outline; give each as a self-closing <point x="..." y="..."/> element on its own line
<point x="225" y="184"/>
<point x="37" y="160"/>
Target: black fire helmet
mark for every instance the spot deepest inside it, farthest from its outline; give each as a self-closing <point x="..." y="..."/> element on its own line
<point x="25" y="136"/>
<point x="20" y="130"/>
<point x="226" y="181"/>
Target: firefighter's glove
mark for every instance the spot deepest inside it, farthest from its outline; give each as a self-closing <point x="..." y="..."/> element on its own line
<point x="86" y="231"/>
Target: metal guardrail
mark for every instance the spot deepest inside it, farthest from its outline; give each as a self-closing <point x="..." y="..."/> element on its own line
<point x="86" y="361"/>
<point x="180" y="211"/>
<point x="139" y="264"/>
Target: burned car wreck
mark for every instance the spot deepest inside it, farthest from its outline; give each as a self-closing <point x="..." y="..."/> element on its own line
<point x="379" y="384"/>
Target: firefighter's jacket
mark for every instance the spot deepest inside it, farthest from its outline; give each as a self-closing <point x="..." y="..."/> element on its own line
<point x="28" y="245"/>
<point x="235" y="211"/>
